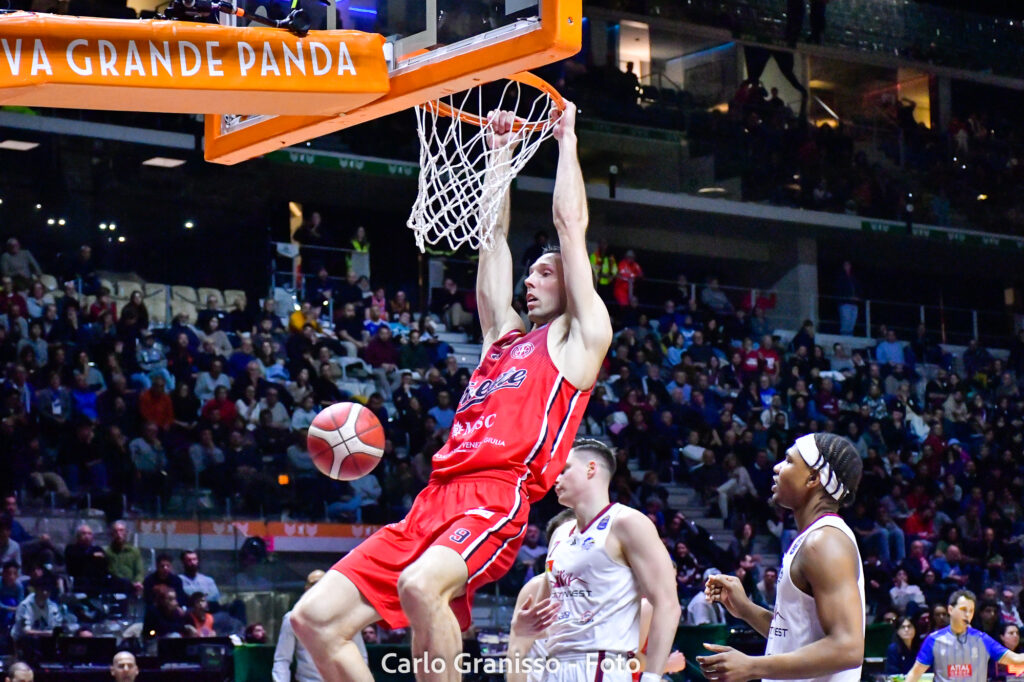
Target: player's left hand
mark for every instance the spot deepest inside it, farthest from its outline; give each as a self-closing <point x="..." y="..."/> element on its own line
<point x="532" y="619"/>
<point x="726" y="665"/>
<point x="565" y="123"/>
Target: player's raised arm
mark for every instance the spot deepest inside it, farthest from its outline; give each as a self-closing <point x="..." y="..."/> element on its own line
<point x="588" y="316"/>
<point x="494" y="275"/>
<point x="652" y="567"/>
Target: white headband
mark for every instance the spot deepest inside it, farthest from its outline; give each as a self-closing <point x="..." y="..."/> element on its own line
<point x="808" y="449"/>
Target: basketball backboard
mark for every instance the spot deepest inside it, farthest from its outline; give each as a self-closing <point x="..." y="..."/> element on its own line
<point x="433" y="48"/>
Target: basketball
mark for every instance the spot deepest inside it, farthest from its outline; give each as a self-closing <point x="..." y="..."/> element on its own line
<point x="346" y="441"/>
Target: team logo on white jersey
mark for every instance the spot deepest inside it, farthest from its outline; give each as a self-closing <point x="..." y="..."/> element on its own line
<point x="523" y="350"/>
<point x="565" y="578"/>
<point x="604" y="523"/>
<point x="588" y="543"/>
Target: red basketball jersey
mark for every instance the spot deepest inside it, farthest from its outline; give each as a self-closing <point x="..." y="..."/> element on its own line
<point x="518" y="416"/>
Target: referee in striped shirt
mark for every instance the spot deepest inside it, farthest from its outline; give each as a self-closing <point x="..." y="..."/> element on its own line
<point x="958" y="652"/>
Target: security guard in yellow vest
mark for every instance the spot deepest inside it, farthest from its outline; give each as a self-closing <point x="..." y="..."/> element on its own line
<point x="604" y="266"/>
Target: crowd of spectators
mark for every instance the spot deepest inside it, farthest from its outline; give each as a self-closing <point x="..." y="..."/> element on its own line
<point x="701" y="393"/>
<point x="706" y="396"/>
<point x="85" y="587"/>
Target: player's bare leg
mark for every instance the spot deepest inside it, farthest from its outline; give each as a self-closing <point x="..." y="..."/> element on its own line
<point x="426" y="588"/>
<point x="326" y="619"/>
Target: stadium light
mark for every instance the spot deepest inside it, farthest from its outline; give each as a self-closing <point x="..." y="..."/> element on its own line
<point x="51" y="221"/>
<point x="62" y="222"/>
<point x="18" y="145"/>
<point x="163" y="162"/>
<point x="121" y="239"/>
<point x="189" y="224"/>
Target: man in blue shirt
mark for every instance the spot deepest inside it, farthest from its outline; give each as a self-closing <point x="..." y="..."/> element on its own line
<point x="959" y="652"/>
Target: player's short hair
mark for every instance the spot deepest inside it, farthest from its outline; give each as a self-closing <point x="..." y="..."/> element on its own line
<point x="844" y="460"/>
<point x="602" y="452"/>
<point x="552" y="248"/>
<point x="557" y="520"/>
<point x="966" y="594"/>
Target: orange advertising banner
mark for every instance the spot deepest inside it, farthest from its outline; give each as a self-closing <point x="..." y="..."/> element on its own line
<point x="184" y="67"/>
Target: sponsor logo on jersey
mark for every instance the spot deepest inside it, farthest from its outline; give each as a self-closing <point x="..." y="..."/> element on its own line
<point x="588" y="543"/>
<point x="586" y="617"/>
<point x="604" y="523"/>
<point x="495" y="356"/>
<point x="958" y="670"/>
<point x="477" y="391"/>
<point x="460" y="535"/>
<point x="523" y="350"/>
<point x="565" y="579"/>
<point x="485" y="513"/>
<point x="460" y="429"/>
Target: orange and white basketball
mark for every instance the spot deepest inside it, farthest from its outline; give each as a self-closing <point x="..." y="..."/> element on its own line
<point x="346" y="441"/>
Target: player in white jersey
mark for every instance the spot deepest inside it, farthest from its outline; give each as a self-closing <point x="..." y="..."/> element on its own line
<point x="597" y="568"/>
<point x="817" y="629"/>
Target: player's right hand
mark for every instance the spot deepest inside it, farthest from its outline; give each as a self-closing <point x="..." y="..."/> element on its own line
<point x="532" y="619"/>
<point x="500" y="134"/>
<point x="676" y="662"/>
<point x="727" y="590"/>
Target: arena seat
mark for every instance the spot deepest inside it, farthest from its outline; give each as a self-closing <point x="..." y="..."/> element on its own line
<point x="49" y="281"/>
<point x="125" y="287"/>
<point x="187" y="307"/>
<point x="180" y="292"/>
<point x="150" y="288"/>
<point x="206" y="292"/>
<point x="231" y="295"/>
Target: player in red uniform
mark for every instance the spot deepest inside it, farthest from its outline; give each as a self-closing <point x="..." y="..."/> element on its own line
<point x="512" y="432"/>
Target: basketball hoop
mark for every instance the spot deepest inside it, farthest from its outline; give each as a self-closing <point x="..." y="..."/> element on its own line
<point x="462" y="180"/>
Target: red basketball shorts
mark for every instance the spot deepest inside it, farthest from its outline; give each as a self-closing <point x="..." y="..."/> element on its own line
<point x="483" y="518"/>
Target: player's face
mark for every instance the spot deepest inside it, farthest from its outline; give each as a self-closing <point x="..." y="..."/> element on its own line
<point x="790" y="476"/>
<point x="572" y="480"/>
<point x="545" y="289"/>
<point x="962" y="613"/>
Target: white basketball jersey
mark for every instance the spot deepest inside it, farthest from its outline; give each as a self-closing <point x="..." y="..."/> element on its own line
<point x="795" y="623"/>
<point x="599" y="597"/>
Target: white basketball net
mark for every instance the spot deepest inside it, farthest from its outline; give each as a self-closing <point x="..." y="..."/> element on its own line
<point x="462" y="180"/>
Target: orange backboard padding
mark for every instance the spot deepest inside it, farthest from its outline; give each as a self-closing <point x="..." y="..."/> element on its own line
<point x="154" y="65"/>
<point x="559" y="36"/>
